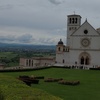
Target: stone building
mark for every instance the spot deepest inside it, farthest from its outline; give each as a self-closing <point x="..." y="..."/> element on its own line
<point x="37" y="61"/>
<point x="83" y="44"/>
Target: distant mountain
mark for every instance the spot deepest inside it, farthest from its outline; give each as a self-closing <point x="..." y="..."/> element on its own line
<point x="27" y="46"/>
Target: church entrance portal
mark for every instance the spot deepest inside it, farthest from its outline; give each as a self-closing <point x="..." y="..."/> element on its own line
<point x="84" y="58"/>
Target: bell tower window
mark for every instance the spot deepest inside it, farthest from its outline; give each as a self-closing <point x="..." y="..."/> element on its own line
<point x="75" y="20"/>
<point x="59" y="49"/>
<point x="70" y="20"/>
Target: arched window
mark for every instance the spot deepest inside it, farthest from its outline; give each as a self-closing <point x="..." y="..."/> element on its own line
<point x="75" y="28"/>
<point x="64" y="49"/>
<point x="63" y="61"/>
<point x="87" y="60"/>
<point x="70" y="20"/>
<point x="82" y="60"/>
<point x="32" y="62"/>
<point x="59" y="49"/>
<point x="27" y="62"/>
<point x="75" y="20"/>
<point x="70" y="28"/>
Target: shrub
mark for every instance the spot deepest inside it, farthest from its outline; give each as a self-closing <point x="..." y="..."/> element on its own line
<point x="52" y="80"/>
<point x="28" y="80"/>
<point x="69" y="82"/>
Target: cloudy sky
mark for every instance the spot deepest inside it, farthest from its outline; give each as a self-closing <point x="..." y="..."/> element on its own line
<point x="42" y="21"/>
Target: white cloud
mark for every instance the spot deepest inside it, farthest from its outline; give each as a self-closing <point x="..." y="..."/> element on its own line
<point x="40" y="22"/>
<point x="31" y="36"/>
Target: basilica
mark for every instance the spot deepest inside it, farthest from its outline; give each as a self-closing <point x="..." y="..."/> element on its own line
<point x="82" y="46"/>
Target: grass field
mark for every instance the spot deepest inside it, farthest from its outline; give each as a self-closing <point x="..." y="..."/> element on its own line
<point x="12" y="89"/>
<point x="89" y="88"/>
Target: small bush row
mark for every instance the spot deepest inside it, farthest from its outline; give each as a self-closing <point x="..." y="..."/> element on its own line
<point x="52" y="80"/>
<point x="69" y="82"/>
<point x="35" y="80"/>
<point x="61" y="81"/>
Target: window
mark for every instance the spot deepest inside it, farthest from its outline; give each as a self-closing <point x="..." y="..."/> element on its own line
<point x="27" y="62"/>
<point x="32" y="62"/>
<point x="75" y="28"/>
<point x="87" y="61"/>
<point x="75" y="20"/>
<point x="64" y="49"/>
<point x="70" y="20"/>
<point x="63" y="61"/>
<point x="70" y="28"/>
<point x="59" y="49"/>
<point x="85" y="31"/>
<point x="82" y="60"/>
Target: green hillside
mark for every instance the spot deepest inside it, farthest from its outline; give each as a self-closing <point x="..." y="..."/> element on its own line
<point x="89" y="88"/>
<point x="13" y="89"/>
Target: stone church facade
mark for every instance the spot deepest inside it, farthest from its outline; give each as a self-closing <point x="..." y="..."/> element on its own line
<point x="83" y="44"/>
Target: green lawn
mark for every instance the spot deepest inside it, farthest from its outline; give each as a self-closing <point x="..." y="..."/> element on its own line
<point x="89" y="88"/>
<point x="13" y="89"/>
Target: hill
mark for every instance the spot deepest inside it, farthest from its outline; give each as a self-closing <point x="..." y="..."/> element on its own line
<point x="25" y="47"/>
<point x="13" y="89"/>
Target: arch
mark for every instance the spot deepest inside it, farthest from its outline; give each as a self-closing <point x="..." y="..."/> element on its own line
<point x="84" y="58"/>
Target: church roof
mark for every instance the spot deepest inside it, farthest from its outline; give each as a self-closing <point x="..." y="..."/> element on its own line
<point x="73" y="15"/>
<point x="60" y="42"/>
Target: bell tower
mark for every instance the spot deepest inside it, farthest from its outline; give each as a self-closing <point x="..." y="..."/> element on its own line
<point x="73" y="23"/>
